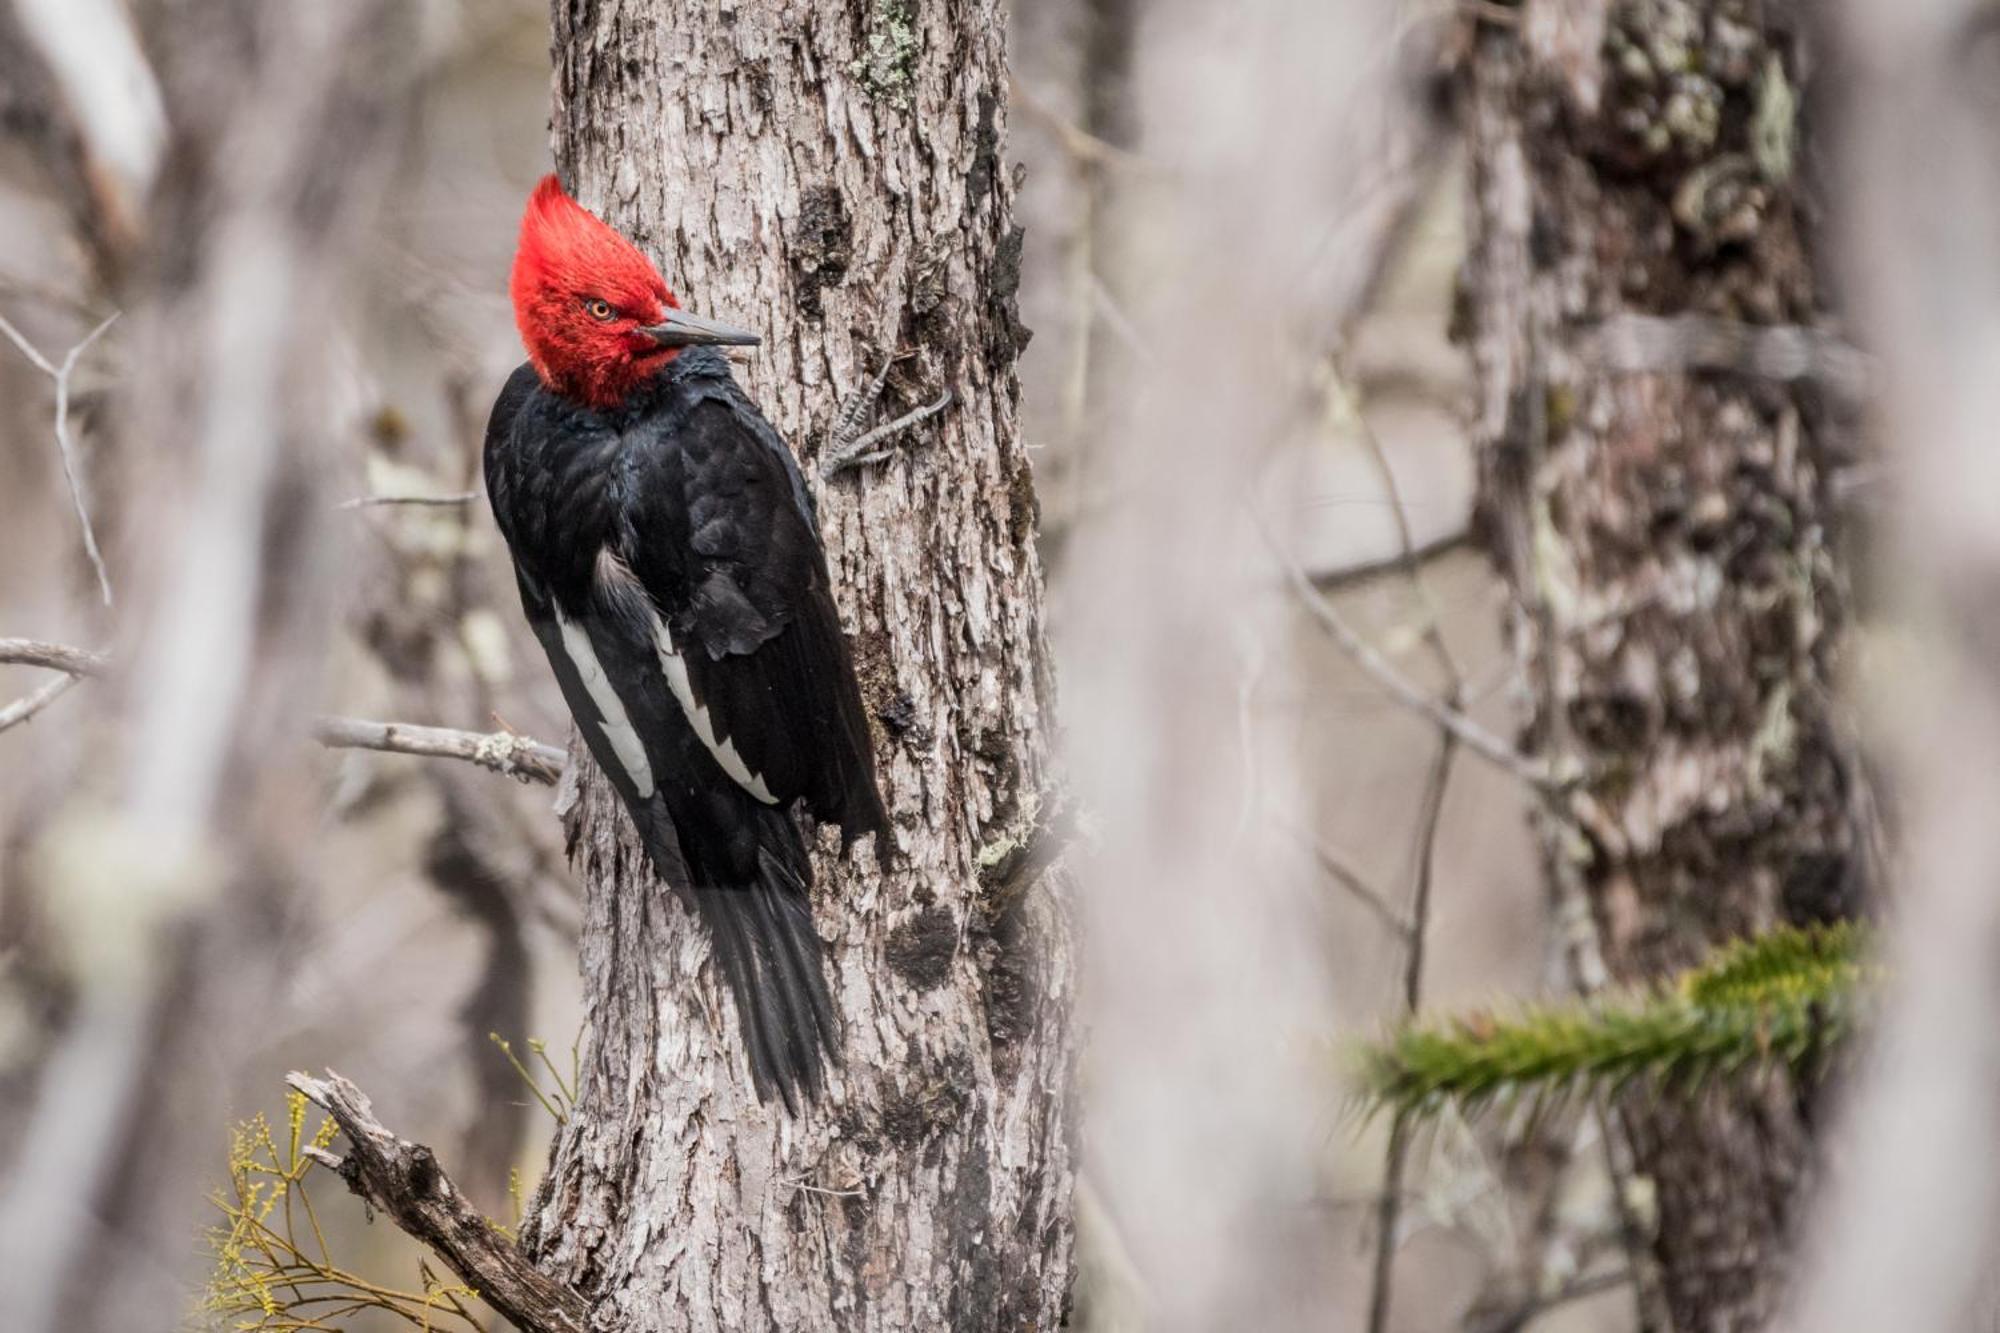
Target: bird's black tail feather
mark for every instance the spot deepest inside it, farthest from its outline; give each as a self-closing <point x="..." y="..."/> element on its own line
<point x="771" y="958"/>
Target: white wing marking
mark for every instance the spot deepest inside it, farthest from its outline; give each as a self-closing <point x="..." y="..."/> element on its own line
<point x="616" y="724"/>
<point x="725" y="752"/>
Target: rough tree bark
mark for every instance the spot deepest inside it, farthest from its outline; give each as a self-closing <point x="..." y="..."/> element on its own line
<point x="1678" y="604"/>
<point x="831" y="176"/>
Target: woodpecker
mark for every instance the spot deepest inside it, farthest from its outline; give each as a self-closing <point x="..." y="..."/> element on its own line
<point x="669" y="560"/>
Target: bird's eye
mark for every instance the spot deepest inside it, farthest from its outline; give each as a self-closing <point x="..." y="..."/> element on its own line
<point x="598" y="308"/>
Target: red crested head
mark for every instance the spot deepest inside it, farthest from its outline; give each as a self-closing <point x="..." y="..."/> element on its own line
<point x="596" y="316"/>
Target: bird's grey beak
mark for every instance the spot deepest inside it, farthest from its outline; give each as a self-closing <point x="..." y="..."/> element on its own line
<point x="680" y="329"/>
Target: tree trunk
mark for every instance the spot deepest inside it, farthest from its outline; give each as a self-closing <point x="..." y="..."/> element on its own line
<point x="831" y="176"/>
<point x="1664" y="527"/>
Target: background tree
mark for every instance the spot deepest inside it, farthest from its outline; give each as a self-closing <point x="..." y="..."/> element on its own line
<point x="161" y="848"/>
<point x="1657" y="491"/>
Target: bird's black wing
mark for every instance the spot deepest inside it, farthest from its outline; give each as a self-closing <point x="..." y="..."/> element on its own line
<point x="717" y="526"/>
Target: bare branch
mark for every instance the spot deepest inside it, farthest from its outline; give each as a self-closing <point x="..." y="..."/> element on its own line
<point x="28" y="349"/>
<point x="1078" y="142"/>
<point x="403" y="1179"/>
<point x="65" y="446"/>
<point x="1396" y="1158"/>
<point x="1336" y="577"/>
<point x="1348" y="876"/>
<point x="74" y="663"/>
<point x="54" y="656"/>
<point x="24" y="708"/>
<point x="1108" y="308"/>
<point x="372" y="501"/>
<point x="1370" y="659"/>
<point x="1429" y="819"/>
<point x="520" y="757"/>
<point x="1411" y="561"/>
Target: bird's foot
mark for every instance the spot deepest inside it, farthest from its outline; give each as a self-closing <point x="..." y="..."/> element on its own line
<point x="850" y="444"/>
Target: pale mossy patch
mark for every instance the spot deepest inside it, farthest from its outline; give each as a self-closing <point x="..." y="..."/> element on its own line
<point x="1776" y="123"/>
<point x="999" y="853"/>
<point x="887" y="65"/>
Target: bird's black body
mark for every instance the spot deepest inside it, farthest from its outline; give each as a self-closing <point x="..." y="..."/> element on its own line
<point x="669" y="560"/>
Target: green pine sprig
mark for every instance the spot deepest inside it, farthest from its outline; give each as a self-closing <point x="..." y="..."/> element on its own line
<point x="1789" y="996"/>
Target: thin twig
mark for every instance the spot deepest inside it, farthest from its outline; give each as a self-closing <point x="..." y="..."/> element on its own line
<point x="1366" y="656"/>
<point x="371" y="501"/>
<point x="1114" y="317"/>
<point x="61" y="657"/>
<point x="65" y="447"/>
<point x="24" y="708"/>
<point x="1388" y="1213"/>
<point x="520" y="757"/>
<point x="1078" y="142"/>
<point x="1424" y="870"/>
<point x="505" y="752"/>
<point x="1339" y="577"/>
<point x="1430" y="816"/>
<point x="1410" y="557"/>
<point x="1349" y="877"/>
<point x="28" y="349"/>
<point x="73" y="663"/>
<point x="1396" y="1158"/>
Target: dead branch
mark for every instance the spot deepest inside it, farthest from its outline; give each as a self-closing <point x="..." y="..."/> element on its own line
<point x="1371" y="661"/>
<point x="1078" y="142"/>
<point x="403" y="1180"/>
<point x="1366" y="569"/>
<point x="54" y="656"/>
<point x="441" y="501"/>
<point x="24" y="708"/>
<point x="520" y="757"/>
<point x="65" y="446"/>
<point x="1344" y="873"/>
<point x="1429" y="820"/>
<point x="73" y="663"/>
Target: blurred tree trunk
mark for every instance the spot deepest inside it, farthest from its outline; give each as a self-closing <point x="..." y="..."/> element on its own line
<point x="1678" y="602"/>
<point x="157" y="874"/>
<point x="1907" y="1226"/>
<point x="833" y="178"/>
